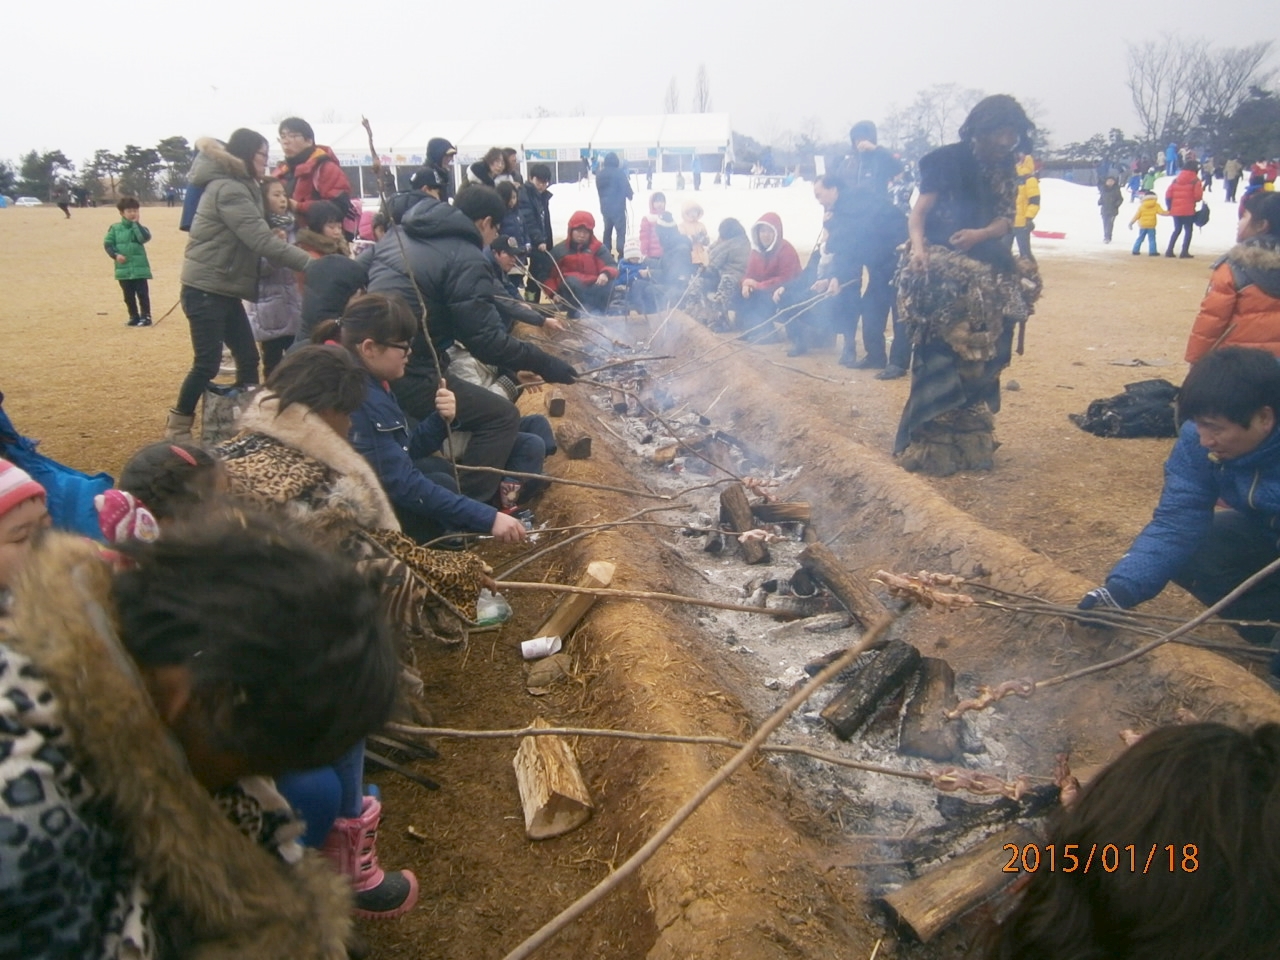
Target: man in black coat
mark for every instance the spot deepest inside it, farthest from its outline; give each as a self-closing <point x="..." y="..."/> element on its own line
<point x="535" y="215"/>
<point x="444" y="245"/>
<point x="614" y="187"/>
<point x="440" y="154"/>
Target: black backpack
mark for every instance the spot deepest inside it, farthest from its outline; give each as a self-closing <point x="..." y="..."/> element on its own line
<point x="1145" y="409"/>
<point x="1202" y="215"/>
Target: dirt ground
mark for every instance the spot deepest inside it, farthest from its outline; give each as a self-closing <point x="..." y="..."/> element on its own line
<point x="94" y="390"/>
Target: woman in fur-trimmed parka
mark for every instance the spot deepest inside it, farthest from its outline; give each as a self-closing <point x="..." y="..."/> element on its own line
<point x="1241" y="308"/>
<point x="220" y="267"/>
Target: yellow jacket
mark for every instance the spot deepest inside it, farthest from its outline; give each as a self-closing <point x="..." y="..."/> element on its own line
<point x="1148" y="210"/>
<point x="1028" y="192"/>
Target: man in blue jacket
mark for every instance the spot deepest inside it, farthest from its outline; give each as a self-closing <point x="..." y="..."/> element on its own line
<point x="1228" y="450"/>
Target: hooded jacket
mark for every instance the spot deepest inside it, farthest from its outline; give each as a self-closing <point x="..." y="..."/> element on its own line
<point x="316" y="176"/>
<point x="1110" y="198"/>
<point x="694" y="230"/>
<point x="1193" y="484"/>
<point x="868" y="169"/>
<point x="445" y="253"/>
<point x="587" y="262"/>
<point x="535" y="214"/>
<point x="80" y="734"/>
<point x="1184" y="193"/>
<point x="650" y="245"/>
<point x="127" y="237"/>
<point x="614" y="187"/>
<point x="1148" y="213"/>
<point x="478" y="173"/>
<point x="230" y="232"/>
<point x="776" y="264"/>
<point x="1027" y="206"/>
<point x="1241" y="308"/>
<point x="437" y="147"/>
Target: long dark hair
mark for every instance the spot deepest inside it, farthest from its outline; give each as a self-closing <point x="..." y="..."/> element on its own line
<point x="244" y="144"/>
<point x="171" y="479"/>
<point x="1207" y="790"/>
<point x="371" y="316"/>
<point x="995" y="113"/>
<point x="321" y="378"/>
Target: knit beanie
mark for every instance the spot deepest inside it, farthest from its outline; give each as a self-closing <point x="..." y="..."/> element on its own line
<point x="16" y="487"/>
<point x="863" y="130"/>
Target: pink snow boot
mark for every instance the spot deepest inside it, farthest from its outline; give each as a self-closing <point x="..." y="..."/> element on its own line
<point x="351" y="847"/>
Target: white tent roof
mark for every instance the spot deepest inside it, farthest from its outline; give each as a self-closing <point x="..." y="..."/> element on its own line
<point x="619" y="133"/>
<point x="552" y="133"/>
<point x="493" y="133"/>
<point x="391" y="139"/>
<point x="700" y="131"/>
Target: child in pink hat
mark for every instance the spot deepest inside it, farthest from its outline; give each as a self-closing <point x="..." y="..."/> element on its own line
<point x="22" y="516"/>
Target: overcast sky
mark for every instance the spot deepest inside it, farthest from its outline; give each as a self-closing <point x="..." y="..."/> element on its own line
<point x="149" y="69"/>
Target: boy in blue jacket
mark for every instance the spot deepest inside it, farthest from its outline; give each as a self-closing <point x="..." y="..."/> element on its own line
<point x="1228" y="450"/>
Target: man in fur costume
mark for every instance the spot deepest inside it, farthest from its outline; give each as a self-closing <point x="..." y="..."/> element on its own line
<point x="142" y="714"/>
<point x="960" y="292"/>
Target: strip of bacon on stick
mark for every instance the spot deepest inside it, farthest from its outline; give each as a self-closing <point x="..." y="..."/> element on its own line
<point x="922" y="589"/>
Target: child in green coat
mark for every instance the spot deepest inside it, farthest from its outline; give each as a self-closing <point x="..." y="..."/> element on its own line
<point x="124" y="245"/>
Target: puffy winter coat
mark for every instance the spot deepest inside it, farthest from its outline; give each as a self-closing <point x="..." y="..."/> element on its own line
<point x="278" y="310"/>
<point x="445" y="253"/>
<point x="614" y="187"/>
<point x="535" y="213"/>
<point x="1028" y="202"/>
<point x="230" y="232"/>
<point x="437" y="147"/>
<point x="1184" y="193"/>
<point x="1193" y="484"/>
<point x="586" y="262"/>
<point x="730" y="257"/>
<point x="317" y="176"/>
<point x="1110" y="199"/>
<point x="1241" y="308"/>
<point x="650" y="245"/>
<point x="380" y="432"/>
<point x="1148" y="213"/>
<point x="776" y="264"/>
<point x="126" y="237"/>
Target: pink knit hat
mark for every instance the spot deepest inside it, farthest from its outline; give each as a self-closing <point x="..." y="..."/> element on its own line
<point x="16" y="486"/>
<point x="123" y="518"/>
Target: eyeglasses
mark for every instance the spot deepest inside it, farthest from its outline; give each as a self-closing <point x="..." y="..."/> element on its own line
<point x="407" y="348"/>
<point x="290" y="135"/>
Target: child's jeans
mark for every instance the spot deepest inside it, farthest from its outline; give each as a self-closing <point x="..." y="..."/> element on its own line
<point x="1149" y="233"/>
<point x="137" y="297"/>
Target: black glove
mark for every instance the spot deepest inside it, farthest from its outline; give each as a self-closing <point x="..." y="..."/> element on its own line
<point x="554" y="370"/>
<point x="1031" y="225"/>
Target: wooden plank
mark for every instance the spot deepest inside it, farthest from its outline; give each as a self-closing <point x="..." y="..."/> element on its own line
<point x="736" y="511"/>
<point x="859" y="699"/>
<point x="853" y="592"/>
<point x="925" y="731"/>
<point x="930" y="904"/>
<point x="574" y="606"/>
<point x="552" y="792"/>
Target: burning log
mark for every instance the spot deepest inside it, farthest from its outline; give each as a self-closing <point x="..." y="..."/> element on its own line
<point x="859" y="699"/>
<point x="552" y="791"/>
<point x="666" y="454"/>
<point x="574" y="444"/>
<point x="925" y="730"/>
<point x="852" y="592"/>
<point x="555" y="403"/>
<point x="736" y="511"/>
<point x="575" y="606"/>
<point x="963" y="817"/>
<point x="794" y="511"/>
<point x="928" y="905"/>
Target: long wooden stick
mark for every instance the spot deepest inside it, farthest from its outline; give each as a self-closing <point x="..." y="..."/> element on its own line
<point x="565" y="481"/>
<point x="644" y="595"/>
<point x="651" y="846"/>
<point x="529" y="558"/>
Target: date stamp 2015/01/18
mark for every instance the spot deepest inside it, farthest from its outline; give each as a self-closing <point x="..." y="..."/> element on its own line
<point x="1108" y="857"/>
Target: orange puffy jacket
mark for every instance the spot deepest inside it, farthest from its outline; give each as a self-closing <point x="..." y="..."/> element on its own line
<point x="1241" y="308"/>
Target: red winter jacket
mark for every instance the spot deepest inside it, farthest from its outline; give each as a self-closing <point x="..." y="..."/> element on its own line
<point x="778" y="264"/>
<point x="1184" y="193"/>
<point x="318" y="177"/>
<point x="587" y="262"/>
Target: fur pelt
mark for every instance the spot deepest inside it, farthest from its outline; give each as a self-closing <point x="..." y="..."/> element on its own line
<point x="216" y="151"/>
<point x="357" y="488"/>
<point x="213" y="890"/>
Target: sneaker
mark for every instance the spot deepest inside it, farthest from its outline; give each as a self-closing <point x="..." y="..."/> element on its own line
<point x="134" y="322"/>
<point x="1186" y="256"/>
<point x="143" y="322"/>
<point x="866" y="363"/>
<point x="891" y="372"/>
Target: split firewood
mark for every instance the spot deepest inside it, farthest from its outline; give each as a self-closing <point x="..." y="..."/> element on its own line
<point x="572" y="608"/>
<point x="552" y="792"/>
<point x="574" y="444"/>
<point x="736" y="511"/>
<point x="859" y="699"/>
<point x="555" y="403"/>
<point x="1068" y="783"/>
<point x="928" y="905"/>
<point x="851" y="591"/>
<point x="918" y="590"/>
<point x="791" y="511"/>
<point x="1023" y="687"/>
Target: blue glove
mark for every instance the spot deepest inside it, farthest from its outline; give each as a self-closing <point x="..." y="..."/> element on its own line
<point x="1100" y="597"/>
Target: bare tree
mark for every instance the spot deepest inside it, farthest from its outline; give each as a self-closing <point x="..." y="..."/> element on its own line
<point x="671" y="102"/>
<point x="701" y="91"/>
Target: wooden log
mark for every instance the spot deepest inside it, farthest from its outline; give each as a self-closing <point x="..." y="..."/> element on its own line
<point x="555" y="403"/>
<point x="574" y="606"/>
<point x="853" y="592"/>
<point x="925" y="731"/>
<point x="572" y="443"/>
<point x="859" y="699"/>
<point x="736" y="511"/>
<point x="552" y="792"/>
<point x="794" y="511"/>
<point x="665" y="454"/>
<point x="961" y="817"/>
<point x="928" y="905"/>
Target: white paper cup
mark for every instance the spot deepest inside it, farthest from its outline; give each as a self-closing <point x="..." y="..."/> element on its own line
<point x="540" y="647"/>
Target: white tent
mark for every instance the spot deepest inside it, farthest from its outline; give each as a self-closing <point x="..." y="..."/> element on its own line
<point x="396" y="143"/>
<point x="695" y="133"/>
<point x="493" y="133"/>
<point x="632" y="138"/>
<point x="560" y="138"/>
